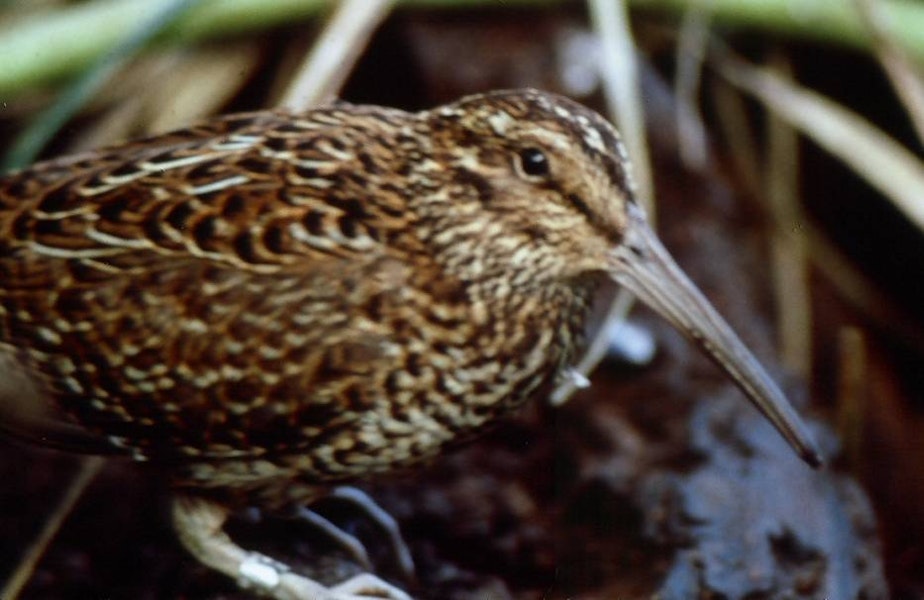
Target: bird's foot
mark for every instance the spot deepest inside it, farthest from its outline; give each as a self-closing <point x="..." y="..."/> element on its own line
<point x="387" y="523"/>
<point x="366" y="586"/>
<point x="272" y="579"/>
<point x="200" y="526"/>
<point x="349" y="542"/>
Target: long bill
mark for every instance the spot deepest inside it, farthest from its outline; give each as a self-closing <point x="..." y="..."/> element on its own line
<point x="644" y="267"/>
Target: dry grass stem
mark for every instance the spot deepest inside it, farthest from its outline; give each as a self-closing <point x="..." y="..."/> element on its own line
<point x="902" y="71"/>
<point x="616" y="313"/>
<point x="89" y="469"/>
<point x="852" y="392"/>
<point x="860" y="291"/>
<point x="194" y="84"/>
<point x="619" y="74"/>
<point x="691" y="51"/>
<point x="31" y="141"/>
<point x="790" y="264"/>
<point x="854" y="286"/>
<point x="831" y="21"/>
<point x="736" y="130"/>
<point x="202" y="83"/>
<point x="337" y="50"/>
<point x="80" y="33"/>
<point x="873" y="155"/>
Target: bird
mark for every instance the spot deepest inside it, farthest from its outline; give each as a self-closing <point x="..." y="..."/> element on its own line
<point x="269" y="305"/>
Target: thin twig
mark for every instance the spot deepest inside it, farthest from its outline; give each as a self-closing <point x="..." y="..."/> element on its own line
<point x="89" y="469"/>
<point x="336" y="51"/>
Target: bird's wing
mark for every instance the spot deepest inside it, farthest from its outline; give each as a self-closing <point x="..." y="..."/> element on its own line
<point x="206" y="291"/>
<point x="260" y="191"/>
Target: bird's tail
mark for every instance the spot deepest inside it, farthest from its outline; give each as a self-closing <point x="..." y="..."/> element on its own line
<point x="28" y="415"/>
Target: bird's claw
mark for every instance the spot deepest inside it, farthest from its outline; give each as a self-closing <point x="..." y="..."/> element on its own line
<point x="366" y="586"/>
<point x="275" y="580"/>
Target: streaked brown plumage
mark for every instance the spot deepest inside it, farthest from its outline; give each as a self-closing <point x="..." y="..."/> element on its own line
<point x="274" y="303"/>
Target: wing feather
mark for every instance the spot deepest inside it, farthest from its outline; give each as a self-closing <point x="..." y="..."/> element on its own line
<point x="150" y="287"/>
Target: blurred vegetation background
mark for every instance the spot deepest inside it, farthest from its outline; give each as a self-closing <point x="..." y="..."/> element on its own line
<point x="811" y="112"/>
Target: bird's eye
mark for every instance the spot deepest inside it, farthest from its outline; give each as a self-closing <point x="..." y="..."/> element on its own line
<point x="534" y="162"/>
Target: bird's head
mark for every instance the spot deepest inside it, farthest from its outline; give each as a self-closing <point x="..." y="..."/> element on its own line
<point x="554" y="180"/>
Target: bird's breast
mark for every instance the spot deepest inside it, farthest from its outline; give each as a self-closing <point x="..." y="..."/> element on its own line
<point x="471" y="362"/>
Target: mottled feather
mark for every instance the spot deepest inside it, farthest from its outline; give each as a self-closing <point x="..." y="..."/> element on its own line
<point x="339" y="292"/>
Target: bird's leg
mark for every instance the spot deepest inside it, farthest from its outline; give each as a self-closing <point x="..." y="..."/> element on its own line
<point x="200" y="527"/>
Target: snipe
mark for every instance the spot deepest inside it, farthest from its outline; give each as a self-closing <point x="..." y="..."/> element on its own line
<point x="271" y="304"/>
